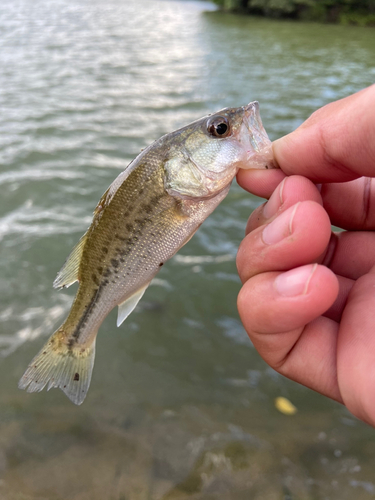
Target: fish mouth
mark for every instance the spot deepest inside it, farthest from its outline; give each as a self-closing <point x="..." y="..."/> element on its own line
<point x="259" y="151"/>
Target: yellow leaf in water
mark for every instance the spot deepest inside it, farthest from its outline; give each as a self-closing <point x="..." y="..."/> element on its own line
<point x="285" y="406"/>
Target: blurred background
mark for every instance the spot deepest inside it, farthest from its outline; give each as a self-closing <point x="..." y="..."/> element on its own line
<point x="180" y="406"/>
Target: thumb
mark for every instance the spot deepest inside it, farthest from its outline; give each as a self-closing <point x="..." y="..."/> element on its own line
<point x="336" y="144"/>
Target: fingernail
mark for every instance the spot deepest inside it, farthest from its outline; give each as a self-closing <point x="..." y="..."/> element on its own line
<point x="280" y="228"/>
<point x="296" y="281"/>
<point x="275" y="202"/>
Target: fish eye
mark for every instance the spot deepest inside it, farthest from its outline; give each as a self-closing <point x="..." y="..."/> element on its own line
<point x="218" y="126"/>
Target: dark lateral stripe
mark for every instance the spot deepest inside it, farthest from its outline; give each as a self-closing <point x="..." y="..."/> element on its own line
<point x="81" y="323"/>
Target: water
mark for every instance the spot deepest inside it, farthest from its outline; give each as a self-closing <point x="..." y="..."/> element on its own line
<point x="181" y="406"/>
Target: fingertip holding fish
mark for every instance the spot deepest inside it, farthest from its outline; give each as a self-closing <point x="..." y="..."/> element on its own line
<point x="146" y="215"/>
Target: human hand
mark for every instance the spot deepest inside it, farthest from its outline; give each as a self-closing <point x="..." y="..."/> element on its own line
<point x="308" y="295"/>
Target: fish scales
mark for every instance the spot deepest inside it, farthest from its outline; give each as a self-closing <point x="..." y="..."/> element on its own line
<point x="142" y="223"/>
<point x="150" y="211"/>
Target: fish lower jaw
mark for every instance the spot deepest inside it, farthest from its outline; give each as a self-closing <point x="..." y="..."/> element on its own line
<point x="262" y="160"/>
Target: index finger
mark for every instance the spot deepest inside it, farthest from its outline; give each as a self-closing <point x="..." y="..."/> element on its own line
<point x="336" y="144"/>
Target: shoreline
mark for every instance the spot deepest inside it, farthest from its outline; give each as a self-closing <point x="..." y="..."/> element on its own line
<point x="316" y="11"/>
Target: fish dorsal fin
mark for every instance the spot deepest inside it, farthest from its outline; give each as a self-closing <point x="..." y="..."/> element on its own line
<point x="106" y="199"/>
<point x="68" y="274"/>
<point x="129" y="304"/>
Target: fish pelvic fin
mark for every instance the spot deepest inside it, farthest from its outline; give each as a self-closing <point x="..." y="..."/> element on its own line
<point x="62" y="366"/>
<point x="68" y="274"/>
<point x="128" y="306"/>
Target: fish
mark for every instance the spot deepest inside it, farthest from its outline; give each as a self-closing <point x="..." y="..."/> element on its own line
<point x="146" y="215"/>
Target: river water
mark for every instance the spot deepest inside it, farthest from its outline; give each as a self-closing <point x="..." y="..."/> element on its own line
<point x="180" y="405"/>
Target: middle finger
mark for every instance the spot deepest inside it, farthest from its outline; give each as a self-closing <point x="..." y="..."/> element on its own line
<point x="298" y="236"/>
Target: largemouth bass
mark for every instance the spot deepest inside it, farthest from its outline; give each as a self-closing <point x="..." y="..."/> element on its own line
<point x="146" y="215"/>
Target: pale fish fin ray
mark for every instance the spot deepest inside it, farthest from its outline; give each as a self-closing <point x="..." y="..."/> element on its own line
<point x="68" y="274"/>
<point x="67" y="369"/>
<point x="129" y="305"/>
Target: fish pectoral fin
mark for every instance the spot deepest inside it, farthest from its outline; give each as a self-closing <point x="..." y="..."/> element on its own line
<point x="68" y="274"/>
<point x="129" y="304"/>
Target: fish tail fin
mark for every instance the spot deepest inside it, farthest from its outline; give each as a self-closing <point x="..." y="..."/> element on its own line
<point x="60" y="365"/>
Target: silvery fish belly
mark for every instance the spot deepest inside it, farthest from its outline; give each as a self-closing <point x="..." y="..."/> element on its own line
<point x="147" y="214"/>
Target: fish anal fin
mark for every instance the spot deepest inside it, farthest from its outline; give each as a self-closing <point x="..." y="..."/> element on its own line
<point x="68" y="274"/>
<point x="129" y="305"/>
<point x="63" y="367"/>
